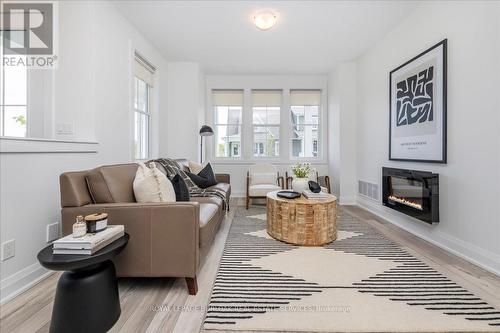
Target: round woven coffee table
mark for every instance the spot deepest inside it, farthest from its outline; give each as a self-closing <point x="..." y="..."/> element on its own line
<point x="302" y="221"/>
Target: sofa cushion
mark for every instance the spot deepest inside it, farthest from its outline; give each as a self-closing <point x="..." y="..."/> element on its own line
<point x="213" y="200"/>
<point x="180" y="188"/>
<point x="209" y="222"/>
<point x="151" y="185"/>
<point x="205" y="178"/>
<point x="112" y="183"/>
<point x="222" y="186"/>
<point x="262" y="190"/>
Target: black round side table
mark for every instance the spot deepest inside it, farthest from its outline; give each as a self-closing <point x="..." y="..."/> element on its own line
<point x="87" y="297"/>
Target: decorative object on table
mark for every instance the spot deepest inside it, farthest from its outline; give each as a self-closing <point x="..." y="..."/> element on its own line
<point x="205" y="130"/>
<point x="302" y="221"/>
<point x="96" y="222"/>
<point x="80" y="227"/>
<point x="151" y="185"/>
<point x="288" y="194"/>
<point x="314" y="187"/>
<point x="417" y="121"/>
<point x="205" y="178"/>
<point x="89" y="243"/>
<point x="312" y="195"/>
<point x="301" y="172"/>
<point x="87" y="297"/>
<point x="262" y="178"/>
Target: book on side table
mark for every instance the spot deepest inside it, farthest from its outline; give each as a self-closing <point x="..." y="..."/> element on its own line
<point x="90" y="243"/>
<point x="311" y="195"/>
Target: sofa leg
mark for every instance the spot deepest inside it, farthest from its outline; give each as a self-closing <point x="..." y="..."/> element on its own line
<point x="192" y="285"/>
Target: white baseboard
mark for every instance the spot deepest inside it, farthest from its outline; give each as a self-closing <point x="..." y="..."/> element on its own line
<point x="21" y="281"/>
<point x="470" y="252"/>
<point x="347" y="200"/>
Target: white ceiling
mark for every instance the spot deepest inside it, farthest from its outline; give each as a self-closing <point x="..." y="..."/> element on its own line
<point x="310" y="36"/>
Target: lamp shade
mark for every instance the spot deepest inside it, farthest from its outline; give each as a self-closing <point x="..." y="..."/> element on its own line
<point x="206" y="130"/>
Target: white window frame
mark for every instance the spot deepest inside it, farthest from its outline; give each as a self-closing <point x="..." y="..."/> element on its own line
<point x="216" y="125"/>
<point x="319" y="125"/>
<point x="285" y="83"/>
<point x="145" y="72"/>
<point x="147" y="114"/>
<point x="3" y="105"/>
<point x="266" y="125"/>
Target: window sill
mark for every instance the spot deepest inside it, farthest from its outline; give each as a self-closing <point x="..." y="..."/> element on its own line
<point x="9" y="145"/>
<point x="265" y="160"/>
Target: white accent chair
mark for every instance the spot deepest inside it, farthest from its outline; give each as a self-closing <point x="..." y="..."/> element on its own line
<point x="262" y="178"/>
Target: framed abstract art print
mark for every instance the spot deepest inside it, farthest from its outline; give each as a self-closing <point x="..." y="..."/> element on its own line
<point x="417" y="99"/>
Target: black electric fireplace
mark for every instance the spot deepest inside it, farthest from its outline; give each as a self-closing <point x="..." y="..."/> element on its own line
<point x="414" y="193"/>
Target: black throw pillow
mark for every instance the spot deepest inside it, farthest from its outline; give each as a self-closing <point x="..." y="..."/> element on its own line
<point x="180" y="188"/>
<point x="205" y="178"/>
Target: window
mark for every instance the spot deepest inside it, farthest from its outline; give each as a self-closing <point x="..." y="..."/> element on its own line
<point x="266" y="107"/>
<point x="228" y="108"/>
<point x="304" y="113"/>
<point x="143" y="85"/>
<point x="14" y="101"/>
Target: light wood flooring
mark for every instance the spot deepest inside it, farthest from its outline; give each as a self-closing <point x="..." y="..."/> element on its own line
<point x="163" y="305"/>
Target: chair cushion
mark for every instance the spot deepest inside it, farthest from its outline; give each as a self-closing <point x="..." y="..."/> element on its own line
<point x="209" y="222"/>
<point x="112" y="183"/>
<point x="263" y="178"/>
<point x="262" y="190"/>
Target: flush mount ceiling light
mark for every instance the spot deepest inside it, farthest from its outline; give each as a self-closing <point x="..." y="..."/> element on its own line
<point x="265" y="20"/>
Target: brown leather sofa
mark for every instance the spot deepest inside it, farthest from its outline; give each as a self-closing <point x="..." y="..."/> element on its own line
<point x="166" y="239"/>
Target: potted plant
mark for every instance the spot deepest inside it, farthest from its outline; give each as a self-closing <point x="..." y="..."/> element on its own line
<point x="301" y="172"/>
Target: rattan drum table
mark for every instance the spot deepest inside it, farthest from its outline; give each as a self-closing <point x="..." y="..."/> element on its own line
<point x="302" y="221"/>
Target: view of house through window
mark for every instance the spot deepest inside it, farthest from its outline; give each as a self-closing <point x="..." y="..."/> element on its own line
<point x="266" y="107"/>
<point x="14" y="101"/>
<point x="304" y="113"/>
<point x="143" y="85"/>
<point x="260" y="119"/>
<point x="228" y="108"/>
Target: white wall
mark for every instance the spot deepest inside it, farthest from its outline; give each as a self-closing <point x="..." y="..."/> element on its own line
<point x="185" y="104"/>
<point x="238" y="168"/>
<point x="469" y="182"/>
<point x="93" y="88"/>
<point x="342" y="131"/>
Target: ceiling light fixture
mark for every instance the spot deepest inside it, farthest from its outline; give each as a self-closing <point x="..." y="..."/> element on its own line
<point x="265" y="20"/>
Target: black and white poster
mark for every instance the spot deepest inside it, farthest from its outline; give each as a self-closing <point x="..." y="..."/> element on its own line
<point x="418" y="108"/>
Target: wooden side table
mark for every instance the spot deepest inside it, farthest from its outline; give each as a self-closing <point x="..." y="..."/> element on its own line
<point x="302" y="221"/>
<point x="87" y="297"/>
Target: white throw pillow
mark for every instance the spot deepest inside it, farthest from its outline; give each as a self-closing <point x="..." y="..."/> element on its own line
<point x="263" y="178"/>
<point x="196" y="167"/>
<point x="151" y="185"/>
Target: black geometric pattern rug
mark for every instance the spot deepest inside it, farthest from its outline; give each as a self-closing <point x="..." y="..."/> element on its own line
<point x="362" y="282"/>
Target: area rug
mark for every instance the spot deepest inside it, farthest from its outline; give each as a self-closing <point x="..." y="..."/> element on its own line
<point x="362" y="282"/>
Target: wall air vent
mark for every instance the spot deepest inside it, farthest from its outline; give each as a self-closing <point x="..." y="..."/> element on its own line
<point x="367" y="189"/>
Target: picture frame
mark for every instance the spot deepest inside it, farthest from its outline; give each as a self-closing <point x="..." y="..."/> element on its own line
<point x="418" y="107"/>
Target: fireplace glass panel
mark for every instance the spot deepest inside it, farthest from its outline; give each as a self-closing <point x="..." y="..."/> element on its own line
<point x="406" y="191"/>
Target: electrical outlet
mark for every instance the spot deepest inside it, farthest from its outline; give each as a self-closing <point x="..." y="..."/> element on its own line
<point x="8" y="249"/>
<point x="52" y="231"/>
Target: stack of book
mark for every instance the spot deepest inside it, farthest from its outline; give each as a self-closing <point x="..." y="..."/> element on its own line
<point x="90" y="243"/>
<point x="311" y="195"/>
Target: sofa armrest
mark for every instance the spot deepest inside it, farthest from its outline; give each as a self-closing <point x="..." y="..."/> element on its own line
<point x="164" y="237"/>
<point x="223" y="178"/>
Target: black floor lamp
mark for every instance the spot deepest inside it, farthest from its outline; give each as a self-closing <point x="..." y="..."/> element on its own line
<point x="205" y="130"/>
